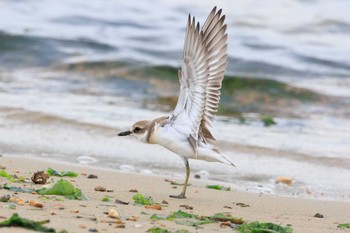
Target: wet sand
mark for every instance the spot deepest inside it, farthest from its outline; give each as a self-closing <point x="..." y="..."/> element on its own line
<point x="82" y="216"/>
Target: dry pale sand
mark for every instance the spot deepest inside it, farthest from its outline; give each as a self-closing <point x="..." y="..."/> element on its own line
<point x="299" y="213"/>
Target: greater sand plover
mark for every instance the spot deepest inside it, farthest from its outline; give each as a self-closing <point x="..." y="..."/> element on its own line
<point x="186" y="131"/>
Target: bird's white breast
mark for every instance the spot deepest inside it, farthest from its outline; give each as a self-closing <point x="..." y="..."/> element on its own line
<point x="178" y="143"/>
<point x="171" y="139"/>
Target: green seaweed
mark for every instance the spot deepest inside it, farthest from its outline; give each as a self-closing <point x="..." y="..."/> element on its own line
<point x="273" y="88"/>
<point x="63" y="188"/>
<point x="106" y="199"/>
<point x="3" y="173"/>
<point x="263" y="227"/>
<point x="268" y="120"/>
<point x="218" y="187"/>
<point x="184" y="218"/>
<point x="141" y="200"/>
<point x="96" y="65"/>
<point x="16" y="221"/>
<point x="224" y="217"/>
<point x="233" y="84"/>
<point x="181" y="214"/>
<point x="5" y="198"/>
<point x="174" y="215"/>
<point x="158" y="230"/>
<point x="193" y="223"/>
<point x="240" y="94"/>
<point x="52" y="172"/>
<point x="163" y="72"/>
<point x="11" y="206"/>
<point x="163" y="230"/>
<point x="182" y="231"/>
<point x="241" y="119"/>
<point x="51" y="198"/>
<point x="159" y="217"/>
<point x="18" y="189"/>
<point x="344" y="225"/>
<point x="11" y="178"/>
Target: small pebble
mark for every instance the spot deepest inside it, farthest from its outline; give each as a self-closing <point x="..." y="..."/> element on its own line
<point x="318" y="215"/>
<point x="138" y="226"/>
<point x="87" y="217"/>
<point x="20" y="201"/>
<point x="118" y="221"/>
<point x="92" y="176"/>
<point x="132" y="218"/>
<point x="93" y="230"/>
<point x="121" y="202"/>
<point x="308" y="191"/>
<point x="187" y="207"/>
<point x="170" y="181"/>
<point x="284" y="179"/>
<point x="112" y="213"/>
<point x="225" y="224"/>
<point x="153" y="207"/>
<point x="133" y="191"/>
<point x="242" y="204"/>
<point x="165" y="202"/>
<point x="35" y="204"/>
<point x="120" y="226"/>
<point x="100" y="189"/>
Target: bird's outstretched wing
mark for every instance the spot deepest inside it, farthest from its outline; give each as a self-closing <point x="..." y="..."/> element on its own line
<point x="201" y="74"/>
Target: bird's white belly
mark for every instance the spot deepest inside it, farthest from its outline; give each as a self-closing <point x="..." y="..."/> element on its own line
<point x="178" y="143"/>
<point x="173" y="141"/>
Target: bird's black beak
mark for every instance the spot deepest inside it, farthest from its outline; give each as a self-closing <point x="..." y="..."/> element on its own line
<point x="125" y="133"/>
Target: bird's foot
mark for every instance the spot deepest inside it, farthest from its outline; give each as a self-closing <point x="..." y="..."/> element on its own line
<point x="180" y="196"/>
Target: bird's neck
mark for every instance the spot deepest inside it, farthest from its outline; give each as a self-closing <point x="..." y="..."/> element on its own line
<point x="154" y="127"/>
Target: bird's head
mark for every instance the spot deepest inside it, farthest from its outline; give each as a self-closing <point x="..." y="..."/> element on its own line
<point x="139" y="130"/>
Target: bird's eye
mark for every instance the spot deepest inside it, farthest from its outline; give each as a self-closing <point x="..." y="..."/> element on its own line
<point x="137" y="129"/>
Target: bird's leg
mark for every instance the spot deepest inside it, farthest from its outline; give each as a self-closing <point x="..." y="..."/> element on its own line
<point x="188" y="171"/>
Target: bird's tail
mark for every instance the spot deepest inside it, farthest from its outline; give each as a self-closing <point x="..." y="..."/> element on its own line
<point x="225" y="159"/>
<point x="217" y="156"/>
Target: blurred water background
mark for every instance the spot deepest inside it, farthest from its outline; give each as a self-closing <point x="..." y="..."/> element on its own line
<point x="73" y="73"/>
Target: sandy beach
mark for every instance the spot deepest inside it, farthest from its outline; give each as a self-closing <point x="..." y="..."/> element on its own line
<point x="74" y="74"/>
<point x="90" y="215"/>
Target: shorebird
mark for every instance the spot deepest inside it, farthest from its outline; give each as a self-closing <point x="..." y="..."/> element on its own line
<point x="186" y="131"/>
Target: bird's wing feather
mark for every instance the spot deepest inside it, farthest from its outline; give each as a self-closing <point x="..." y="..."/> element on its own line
<point x="215" y="40"/>
<point x="201" y="74"/>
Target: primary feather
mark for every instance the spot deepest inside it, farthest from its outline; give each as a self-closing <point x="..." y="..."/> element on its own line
<point x="202" y="71"/>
